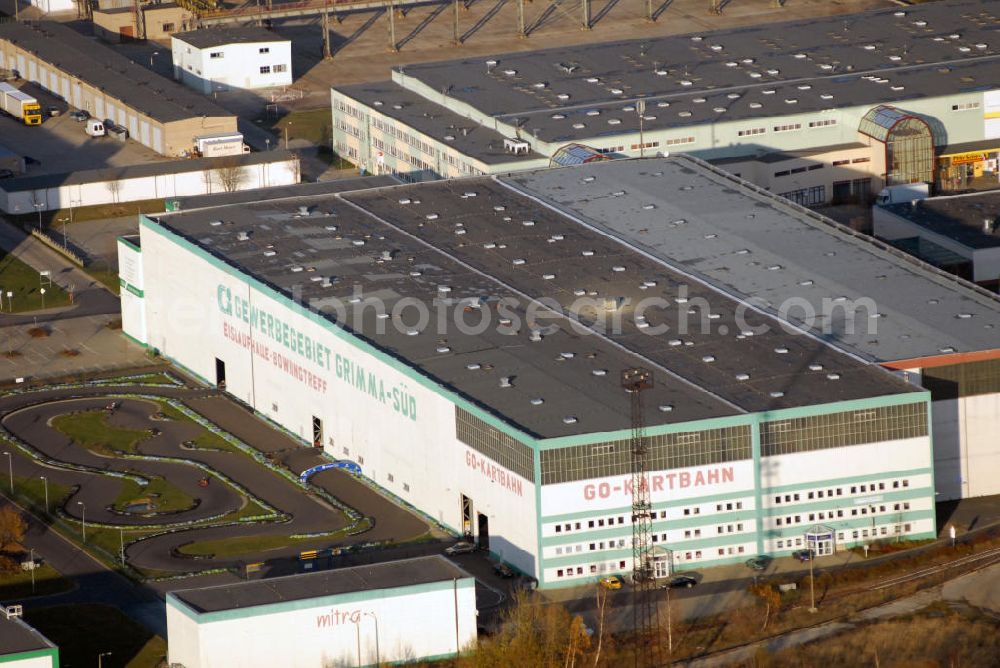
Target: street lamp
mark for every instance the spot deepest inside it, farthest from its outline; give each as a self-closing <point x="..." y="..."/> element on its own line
<point x="10" y="466"/>
<point x="83" y="523"/>
<point x="63" y="221"/>
<point x="39" y="206"/>
<point x="812" y="584"/>
<point x="640" y="110"/>
<point x="45" y="481"/>
<point x="357" y="628"/>
<point x="42" y="290"/>
<point x="100" y="659"/>
<point x="378" y="660"/>
<point x="286" y="134"/>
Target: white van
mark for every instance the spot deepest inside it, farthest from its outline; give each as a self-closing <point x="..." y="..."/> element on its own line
<point x="95" y="128"/>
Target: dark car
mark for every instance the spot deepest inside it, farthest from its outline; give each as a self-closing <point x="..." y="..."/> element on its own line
<point x="679" y="581"/>
<point x="503" y="570"/>
<point x="6" y="174"/>
<point x="802" y="555"/>
<point x="460" y="547"/>
<point x="758" y="563"/>
<point x="79" y="115"/>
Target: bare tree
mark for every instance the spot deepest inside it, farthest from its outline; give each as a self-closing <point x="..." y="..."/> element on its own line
<point x="12" y="528"/>
<point x="114" y="187"/>
<point x="230" y="174"/>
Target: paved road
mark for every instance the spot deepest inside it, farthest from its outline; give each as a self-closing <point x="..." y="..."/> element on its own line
<point x="27" y="416"/>
<point x="94" y="583"/>
<point x="91" y="298"/>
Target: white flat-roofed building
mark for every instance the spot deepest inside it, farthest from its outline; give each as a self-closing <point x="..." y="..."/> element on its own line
<point x="516" y="432"/>
<point x="211" y="59"/>
<point x="388" y="613"/>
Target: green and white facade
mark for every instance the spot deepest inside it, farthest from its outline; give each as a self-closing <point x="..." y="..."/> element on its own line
<point x="723" y="489"/>
<point x="310" y="623"/>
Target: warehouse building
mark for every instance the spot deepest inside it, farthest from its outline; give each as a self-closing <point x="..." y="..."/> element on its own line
<point x="829" y="109"/>
<point x="22" y="646"/>
<point x="157" y="112"/>
<point x="246" y="57"/>
<point x="156" y="22"/>
<point x="960" y="234"/>
<point x="395" y="612"/>
<point x="462" y="342"/>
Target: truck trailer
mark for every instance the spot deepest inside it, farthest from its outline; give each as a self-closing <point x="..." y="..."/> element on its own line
<point x="20" y="105"/>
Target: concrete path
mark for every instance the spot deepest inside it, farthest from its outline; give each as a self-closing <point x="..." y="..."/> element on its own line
<point x="91" y="298"/>
<point x="980" y="589"/>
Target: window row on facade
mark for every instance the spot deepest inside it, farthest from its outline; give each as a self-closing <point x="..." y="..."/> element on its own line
<point x="831" y="492"/>
<point x="834" y="430"/>
<point x="665" y="452"/>
<point x="502" y="448"/>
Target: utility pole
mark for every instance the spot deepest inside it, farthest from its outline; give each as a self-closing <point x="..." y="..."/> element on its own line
<point x="520" y="20"/>
<point x="645" y="615"/>
<point x="585" y="5"/>
<point x="640" y="110"/>
<point x="392" y="28"/>
<point x="326" y="32"/>
<point x="456" y="40"/>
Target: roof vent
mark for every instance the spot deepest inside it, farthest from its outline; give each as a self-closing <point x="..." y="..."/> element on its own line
<point x="776" y="395"/>
<point x="505" y="381"/>
<point x="742" y="376"/>
<point x="535" y="335"/>
<point x="243" y="235"/>
<point x="833" y="376"/>
<point x="665" y="408"/>
<point x="815" y="367"/>
<point x="569" y="419"/>
<point x="537" y="401"/>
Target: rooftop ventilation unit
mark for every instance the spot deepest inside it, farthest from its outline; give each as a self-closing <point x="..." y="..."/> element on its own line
<point x="516" y="146"/>
<point x="243" y="235"/>
<point x="505" y="381"/>
<point x="303" y="210"/>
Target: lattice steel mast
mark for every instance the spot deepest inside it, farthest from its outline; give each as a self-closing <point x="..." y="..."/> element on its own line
<point x="645" y="613"/>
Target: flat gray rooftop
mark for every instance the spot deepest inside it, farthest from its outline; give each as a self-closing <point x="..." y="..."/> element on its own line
<point x="282" y="192"/>
<point x="205" y="38"/>
<point x="16" y="636"/>
<point x="436" y="121"/>
<point x="87" y="59"/>
<point x="881" y="57"/>
<point x="386" y="575"/>
<point x="959" y="218"/>
<point x="477" y="250"/>
<point x="754" y="245"/>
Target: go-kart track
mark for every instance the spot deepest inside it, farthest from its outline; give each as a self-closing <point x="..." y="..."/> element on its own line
<point x="221" y="474"/>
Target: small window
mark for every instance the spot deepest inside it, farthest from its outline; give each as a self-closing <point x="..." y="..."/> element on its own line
<point x="687" y="511"/>
<point x="168" y="27"/>
<point x="264" y="49"/>
<point x="781" y="544"/>
<point x="265" y="69"/>
<point x="576" y="526"/>
<point x="840" y="492"/>
<point x="906" y="528"/>
<point x="600" y="523"/>
<point x="406" y="487"/>
<point x="216" y="54"/>
<point x="778" y="522"/>
<point x="559" y="573"/>
<point x="820" y="494"/>
<point x="558" y="529"/>
<point x="810" y="495"/>
<point x="593" y="546"/>
<point x="391" y="479"/>
<point x="739" y="505"/>
<point x="697" y="555"/>
<point x="906" y="483"/>
<point x="796" y="497"/>
<point x="621" y="520"/>
<point x="838" y="163"/>
<point x="857" y="160"/>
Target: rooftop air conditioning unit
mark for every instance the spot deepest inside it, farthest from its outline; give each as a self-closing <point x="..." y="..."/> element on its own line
<point x="516" y="146"/>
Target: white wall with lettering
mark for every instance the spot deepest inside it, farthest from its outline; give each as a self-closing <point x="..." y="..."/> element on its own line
<point x="290" y="369"/>
<point x="409" y="627"/>
<point x="600" y="494"/>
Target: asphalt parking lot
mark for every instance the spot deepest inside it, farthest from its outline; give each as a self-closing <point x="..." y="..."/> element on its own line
<point x="60" y="143"/>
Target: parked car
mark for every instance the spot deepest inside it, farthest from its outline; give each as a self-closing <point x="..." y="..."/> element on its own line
<point x="802" y="555"/>
<point x="6" y="174"/>
<point x="758" y="563"/>
<point x="503" y="570"/>
<point x="610" y="582"/>
<point x="460" y="547"/>
<point x="679" y="581"/>
<point x="79" y="115"/>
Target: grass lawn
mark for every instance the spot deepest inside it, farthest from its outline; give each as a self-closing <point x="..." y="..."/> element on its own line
<point x="52" y="220"/>
<point x="107" y="278"/>
<point x="165" y="496"/>
<point x="313" y="126"/>
<point x="33" y="491"/>
<point x="91" y="430"/>
<point x="234" y="547"/>
<point x="47" y="581"/>
<point x="23" y="281"/>
<point x="85" y="630"/>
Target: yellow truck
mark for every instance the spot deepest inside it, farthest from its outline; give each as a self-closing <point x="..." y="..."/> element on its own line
<point x="20" y="105"/>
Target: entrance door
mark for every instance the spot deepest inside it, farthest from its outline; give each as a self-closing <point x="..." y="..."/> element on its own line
<point x="661" y="566"/>
<point x="317" y="432"/>
<point x="824" y="547"/>
<point x="220" y="374"/>
<point x="467" y="517"/>
<point x="484" y="532"/>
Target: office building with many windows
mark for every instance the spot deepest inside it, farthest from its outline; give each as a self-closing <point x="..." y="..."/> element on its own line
<point x="824" y="110"/>
<point x="462" y="342"/>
